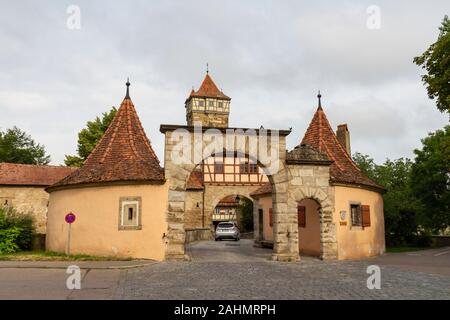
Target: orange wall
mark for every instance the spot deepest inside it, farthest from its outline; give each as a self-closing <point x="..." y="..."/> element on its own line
<point x="358" y="242"/>
<point x="265" y="204"/>
<point x="309" y="237"/>
<point x="95" y="230"/>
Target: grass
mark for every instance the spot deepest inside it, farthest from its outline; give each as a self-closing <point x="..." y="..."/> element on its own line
<point x="405" y="249"/>
<point x="56" y="256"/>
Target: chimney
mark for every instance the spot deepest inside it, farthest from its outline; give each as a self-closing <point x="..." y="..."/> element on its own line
<point x="343" y="136"/>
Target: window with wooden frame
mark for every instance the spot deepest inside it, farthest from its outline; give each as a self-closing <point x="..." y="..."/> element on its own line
<point x="218" y="167"/>
<point x="248" y="167"/>
<point x="301" y="216"/>
<point x="365" y="215"/>
<point x="360" y="215"/>
<point x="355" y="214"/>
<point x="270" y="217"/>
<point x="130" y="213"/>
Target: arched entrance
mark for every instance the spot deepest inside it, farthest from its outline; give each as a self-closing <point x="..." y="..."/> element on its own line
<point x="235" y="208"/>
<point x="308" y="211"/>
<point x="177" y="173"/>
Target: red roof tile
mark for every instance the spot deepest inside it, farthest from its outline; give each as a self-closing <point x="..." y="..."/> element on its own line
<point x="32" y="175"/>
<point x="264" y="190"/>
<point x="195" y="181"/>
<point x="229" y="201"/>
<point x="124" y="153"/>
<point x="208" y="89"/>
<point x="321" y="136"/>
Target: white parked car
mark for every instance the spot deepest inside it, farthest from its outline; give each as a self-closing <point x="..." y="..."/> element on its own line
<point x="227" y="230"/>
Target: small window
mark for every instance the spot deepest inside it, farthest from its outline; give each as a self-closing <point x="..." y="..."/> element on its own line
<point x="355" y="212"/>
<point x="218" y="167"/>
<point x="301" y="216"/>
<point x="201" y="103"/>
<point x="220" y="105"/>
<point x="247" y="167"/>
<point x="211" y="103"/>
<point x="270" y="217"/>
<point x="130" y="213"/>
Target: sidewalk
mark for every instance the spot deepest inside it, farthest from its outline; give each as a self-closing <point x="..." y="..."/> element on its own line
<point x="82" y="264"/>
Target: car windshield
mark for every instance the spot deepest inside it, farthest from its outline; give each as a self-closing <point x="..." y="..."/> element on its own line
<point x="225" y="225"/>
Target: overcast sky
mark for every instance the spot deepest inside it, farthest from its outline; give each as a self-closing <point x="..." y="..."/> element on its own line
<point x="270" y="57"/>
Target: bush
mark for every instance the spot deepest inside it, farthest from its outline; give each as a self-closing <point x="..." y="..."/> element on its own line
<point x="16" y="230"/>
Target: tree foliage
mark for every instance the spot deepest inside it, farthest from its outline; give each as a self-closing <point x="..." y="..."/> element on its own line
<point x="436" y="61"/>
<point x="400" y="206"/>
<point x="430" y="179"/>
<point x="89" y="137"/>
<point x="16" y="146"/>
<point x="246" y="210"/>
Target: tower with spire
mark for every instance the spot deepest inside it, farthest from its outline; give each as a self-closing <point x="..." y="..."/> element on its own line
<point x="208" y="105"/>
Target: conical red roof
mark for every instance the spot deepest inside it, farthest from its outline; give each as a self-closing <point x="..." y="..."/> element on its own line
<point x="124" y="153"/>
<point x="321" y="136"/>
<point x="208" y="89"/>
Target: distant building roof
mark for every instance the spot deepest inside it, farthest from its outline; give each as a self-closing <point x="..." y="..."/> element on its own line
<point x="195" y="181"/>
<point x="208" y="89"/>
<point x="123" y="154"/>
<point x="32" y="175"/>
<point x="264" y="190"/>
<point x="229" y="201"/>
<point x="321" y="136"/>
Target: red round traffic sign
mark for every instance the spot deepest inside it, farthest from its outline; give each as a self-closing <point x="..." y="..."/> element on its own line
<point x="70" y="218"/>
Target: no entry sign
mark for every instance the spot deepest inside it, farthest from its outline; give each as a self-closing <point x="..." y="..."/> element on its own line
<point x="70" y="218"/>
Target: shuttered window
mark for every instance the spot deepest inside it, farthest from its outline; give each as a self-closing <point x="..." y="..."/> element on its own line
<point x="270" y="217"/>
<point x="365" y="212"/>
<point x="301" y="216"/>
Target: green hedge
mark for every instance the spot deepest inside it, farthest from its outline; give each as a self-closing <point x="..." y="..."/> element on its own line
<point x="16" y="230"/>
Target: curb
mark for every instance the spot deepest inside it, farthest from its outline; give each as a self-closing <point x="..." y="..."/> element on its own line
<point x="81" y="267"/>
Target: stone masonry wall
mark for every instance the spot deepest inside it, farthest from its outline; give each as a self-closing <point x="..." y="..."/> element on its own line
<point x="312" y="182"/>
<point x="28" y="199"/>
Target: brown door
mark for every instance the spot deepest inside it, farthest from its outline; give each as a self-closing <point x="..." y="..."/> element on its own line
<point x="261" y="224"/>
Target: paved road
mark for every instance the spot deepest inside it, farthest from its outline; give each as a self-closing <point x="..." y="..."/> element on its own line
<point x="230" y="270"/>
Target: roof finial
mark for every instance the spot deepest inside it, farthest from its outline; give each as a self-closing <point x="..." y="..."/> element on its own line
<point x="127" y="96"/>
<point x="207" y="68"/>
<point x="319" y="96"/>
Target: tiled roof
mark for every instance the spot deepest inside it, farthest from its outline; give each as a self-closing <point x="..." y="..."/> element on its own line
<point x="32" y="175"/>
<point x="229" y="201"/>
<point x="124" y="153"/>
<point x="208" y="89"/>
<point x="195" y="181"/>
<point x="321" y="136"/>
<point x="265" y="189"/>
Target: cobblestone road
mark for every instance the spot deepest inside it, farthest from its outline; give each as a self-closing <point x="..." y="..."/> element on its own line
<point x="228" y="270"/>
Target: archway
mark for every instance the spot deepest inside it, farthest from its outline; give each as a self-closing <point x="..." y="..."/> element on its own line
<point x="308" y="213"/>
<point x="234" y="208"/>
<point x="187" y="140"/>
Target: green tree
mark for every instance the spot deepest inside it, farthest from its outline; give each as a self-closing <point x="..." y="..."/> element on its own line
<point x="246" y="211"/>
<point x="89" y="137"/>
<point x="436" y="61"/>
<point x="400" y="206"/>
<point x="18" y="147"/>
<point x="430" y="179"/>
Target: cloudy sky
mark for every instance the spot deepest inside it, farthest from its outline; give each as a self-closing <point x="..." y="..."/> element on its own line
<point x="270" y="57"/>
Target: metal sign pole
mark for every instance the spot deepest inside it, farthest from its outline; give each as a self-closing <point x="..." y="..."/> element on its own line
<point x="69" y="235"/>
